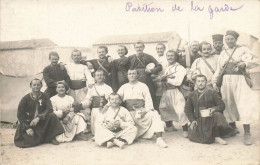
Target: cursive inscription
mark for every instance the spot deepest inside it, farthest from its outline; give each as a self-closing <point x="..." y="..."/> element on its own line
<point x="143" y="8"/>
<point x="194" y="7"/>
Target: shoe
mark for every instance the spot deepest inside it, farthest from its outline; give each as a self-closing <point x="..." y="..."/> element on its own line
<point x="110" y="144"/>
<point x="247" y="138"/>
<point x="170" y="129"/>
<point x="83" y="136"/>
<point x="161" y="143"/>
<point x="233" y="125"/>
<point x="119" y="143"/>
<point x="54" y="141"/>
<point x="185" y="134"/>
<point x="220" y="141"/>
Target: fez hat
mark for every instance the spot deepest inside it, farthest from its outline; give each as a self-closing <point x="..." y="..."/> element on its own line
<point x="233" y="33"/>
<point x="217" y="37"/>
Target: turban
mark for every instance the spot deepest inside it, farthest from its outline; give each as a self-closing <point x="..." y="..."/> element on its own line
<point x="217" y="37"/>
<point x="233" y="33"/>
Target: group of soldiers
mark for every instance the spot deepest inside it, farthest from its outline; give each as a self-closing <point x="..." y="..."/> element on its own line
<point x="140" y="96"/>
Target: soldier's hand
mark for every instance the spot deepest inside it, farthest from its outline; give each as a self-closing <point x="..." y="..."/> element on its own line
<point x="109" y="125"/>
<point x="104" y="109"/>
<point x="35" y="121"/>
<point x="68" y="91"/>
<point x="241" y="65"/>
<point x="62" y="66"/>
<point x="193" y="125"/>
<point x="82" y="61"/>
<point x="212" y="110"/>
<point x="215" y="87"/>
<point x="78" y="107"/>
<point x="66" y="112"/>
<point x="116" y="124"/>
<point x="143" y="113"/>
<point x="30" y="132"/>
<point x="164" y="79"/>
<point x="109" y="59"/>
<point x="66" y="120"/>
<point x="87" y="114"/>
<point x="148" y="70"/>
<point x="75" y="103"/>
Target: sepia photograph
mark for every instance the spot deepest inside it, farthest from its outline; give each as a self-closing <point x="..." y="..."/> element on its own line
<point x="130" y="82"/>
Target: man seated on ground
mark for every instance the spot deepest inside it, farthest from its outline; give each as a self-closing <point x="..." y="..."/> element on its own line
<point x="204" y="108"/>
<point x="37" y="123"/>
<point x="172" y="101"/>
<point x="138" y="101"/>
<point x="115" y="126"/>
<point x="96" y="97"/>
<point x="73" y="123"/>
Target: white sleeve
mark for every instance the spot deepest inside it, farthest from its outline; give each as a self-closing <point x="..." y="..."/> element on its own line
<point x="88" y="98"/>
<point x="178" y="76"/>
<point x="121" y="92"/>
<point x="53" y="103"/>
<point x="192" y="69"/>
<point x="147" y="98"/>
<point x="219" y="66"/>
<point x="57" y="112"/>
<point x="71" y="114"/>
<point x="128" y="120"/>
<point x="249" y="58"/>
<point x="109" y="91"/>
<point x="90" y="79"/>
<point x="100" y="118"/>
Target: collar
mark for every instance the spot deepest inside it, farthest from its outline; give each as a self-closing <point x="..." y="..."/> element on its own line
<point x="195" y="54"/>
<point x="176" y="64"/>
<point x="34" y="98"/>
<point x="227" y="48"/>
<point x="201" y="93"/>
<point x="141" y="55"/>
<point x="161" y="58"/>
<point x="102" y="60"/>
<point x="54" y="66"/>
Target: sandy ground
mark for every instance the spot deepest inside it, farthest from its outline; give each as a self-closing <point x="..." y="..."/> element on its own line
<point x="142" y="152"/>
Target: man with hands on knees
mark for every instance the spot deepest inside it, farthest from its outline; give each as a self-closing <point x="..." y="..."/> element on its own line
<point x="138" y="101"/>
<point x="204" y="109"/>
<point x="37" y="123"/>
<point x="115" y="126"/>
<point x="73" y="123"/>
